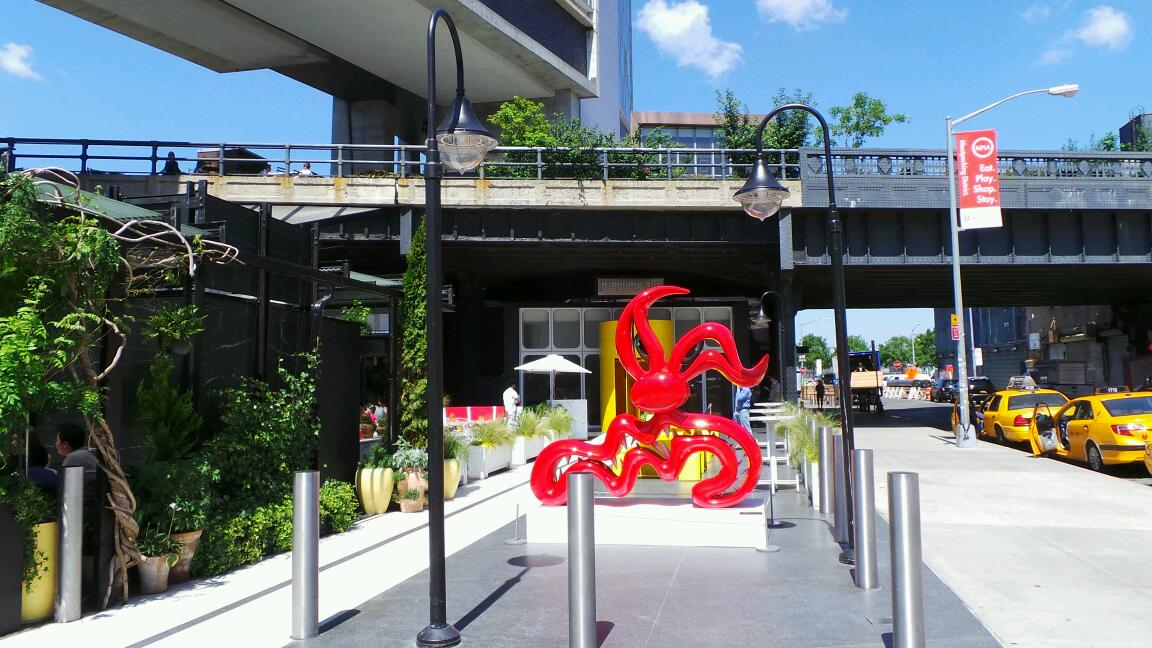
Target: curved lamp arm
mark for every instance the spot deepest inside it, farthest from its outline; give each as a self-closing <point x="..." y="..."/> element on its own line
<point x="441" y="14"/>
<point x="961" y="120"/>
<point x="827" y="141"/>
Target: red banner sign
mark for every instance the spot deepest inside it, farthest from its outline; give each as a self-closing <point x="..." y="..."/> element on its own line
<point x="977" y="179"/>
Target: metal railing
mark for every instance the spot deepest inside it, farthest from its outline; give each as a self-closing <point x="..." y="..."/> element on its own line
<point x="1011" y="164"/>
<point x="401" y="160"/>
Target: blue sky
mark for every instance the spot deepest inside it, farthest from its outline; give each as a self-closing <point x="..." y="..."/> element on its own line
<point x="64" y="77"/>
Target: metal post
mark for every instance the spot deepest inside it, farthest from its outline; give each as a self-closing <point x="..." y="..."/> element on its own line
<point x="840" y="496"/>
<point x="581" y="562"/>
<point x="907" y="566"/>
<point x="825" y="479"/>
<point x="964" y="436"/>
<point x="865" y="519"/>
<point x="306" y="554"/>
<point x="71" y="543"/>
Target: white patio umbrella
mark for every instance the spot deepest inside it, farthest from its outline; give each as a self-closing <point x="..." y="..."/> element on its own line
<point x="552" y="364"/>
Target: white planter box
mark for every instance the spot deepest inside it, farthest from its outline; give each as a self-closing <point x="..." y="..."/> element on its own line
<point x="483" y="461"/>
<point x="525" y="450"/>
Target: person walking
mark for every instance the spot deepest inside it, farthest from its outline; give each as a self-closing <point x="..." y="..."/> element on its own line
<point x="511" y="403"/>
<point x="820" y="394"/>
<point x="741" y="404"/>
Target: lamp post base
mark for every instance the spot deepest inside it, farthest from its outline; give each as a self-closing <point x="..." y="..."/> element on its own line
<point x="435" y="636"/>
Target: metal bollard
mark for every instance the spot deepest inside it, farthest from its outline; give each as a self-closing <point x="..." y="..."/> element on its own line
<point x="581" y="562"/>
<point x="907" y="565"/>
<point x="71" y="543"/>
<point x="840" y="493"/>
<point x="306" y="554"/>
<point x="865" y="505"/>
<point x="825" y="477"/>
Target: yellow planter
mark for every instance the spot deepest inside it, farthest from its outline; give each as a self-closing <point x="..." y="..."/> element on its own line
<point x="451" y="478"/>
<point x="38" y="600"/>
<point x="374" y="486"/>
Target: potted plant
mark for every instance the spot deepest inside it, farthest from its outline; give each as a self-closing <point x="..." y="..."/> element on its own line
<point x="491" y="448"/>
<point x="160" y="553"/>
<point x="411" y="500"/>
<point x="410" y="462"/>
<point x="558" y="421"/>
<point x="455" y="454"/>
<point x="175" y="325"/>
<point x="529" y="436"/>
<point x="375" y="480"/>
<point x="178" y="492"/>
<point x="34" y="514"/>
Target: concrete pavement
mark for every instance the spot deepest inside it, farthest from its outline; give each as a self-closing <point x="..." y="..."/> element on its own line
<point x="1045" y="553"/>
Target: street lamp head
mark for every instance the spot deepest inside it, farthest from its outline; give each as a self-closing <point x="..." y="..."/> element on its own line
<point x="762" y="194"/>
<point x="1065" y="90"/>
<point x="463" y="140"/>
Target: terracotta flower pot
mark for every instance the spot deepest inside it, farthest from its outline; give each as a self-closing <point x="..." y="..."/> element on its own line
<point x="154" y="575"/>
<point x="412" y="506"/>
<point x="188" y="540"/>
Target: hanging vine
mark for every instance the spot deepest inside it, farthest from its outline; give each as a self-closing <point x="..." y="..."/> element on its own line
<point x="63" y="260"/>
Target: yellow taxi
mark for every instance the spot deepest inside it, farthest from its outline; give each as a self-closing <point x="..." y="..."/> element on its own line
<point x="1104" y="429"/>
<point x="1007" y="414"/>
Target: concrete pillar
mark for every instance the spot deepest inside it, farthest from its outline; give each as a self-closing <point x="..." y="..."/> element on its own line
<point x="564" y="102"/>
<point x="377" y="121"/>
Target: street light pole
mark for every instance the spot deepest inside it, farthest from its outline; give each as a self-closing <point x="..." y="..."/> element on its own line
<point x="465" y="142"/>
<point x="964" y="436"/>
<point x="761" y="197"/>
<point x="914" y="343"/>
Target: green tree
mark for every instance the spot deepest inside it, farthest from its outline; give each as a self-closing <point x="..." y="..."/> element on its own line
<point x="522" y="122"/>
<point x="865" y="117"/>
<point x="926" y="348"/>
<point x="414" y="343"/>
<point x="1142" y="141"/>
<point x="896" y="348"/>
<point x="737" y="128"/>
<point x="857" y="343"/>
<point x="817" y="349"/>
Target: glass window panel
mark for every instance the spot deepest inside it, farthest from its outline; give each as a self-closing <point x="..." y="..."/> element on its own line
<point x="568" y="384"/>
<point x="592" y="387"/>
<point x="592" y="319"/>
<point x="721" y="315"/>
<point x="566" y="328"/>
<point x="534" y="328"/>
<point x="685" y="319"/>
<point x="659" y="314"/>
<point x="695" y="402"/>
<point x="534" y="386"/>
<point x="719" y="393"/>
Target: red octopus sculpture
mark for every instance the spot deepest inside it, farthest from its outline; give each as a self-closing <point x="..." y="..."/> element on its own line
<point x="661" y="389"/>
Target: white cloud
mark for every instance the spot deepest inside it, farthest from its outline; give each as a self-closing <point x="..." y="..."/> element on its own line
<point x="1105" y="27"/>
<point x="1054" y="55"/>
<point x="800" y="14"/>
<point x="14" y="59"/>
<point x="1037" y="12"/>
<point x="682" y="30"/>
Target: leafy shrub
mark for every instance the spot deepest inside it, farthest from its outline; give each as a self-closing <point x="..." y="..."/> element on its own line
<point x="337" y="505"/>
<point x="30" y="506"/>
<point x="492" y="433"/>
<point x="378" y="457"/>
<point x="269" y="432"/>
<point x="177" y="489"/>
<point x="171" y="424"/>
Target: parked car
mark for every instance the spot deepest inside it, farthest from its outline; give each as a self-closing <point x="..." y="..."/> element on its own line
<point x="980" y="389"/>
<point x="943" y="390"/>
<point x="1101" y="429"/>
<point x="1008" y="413"/>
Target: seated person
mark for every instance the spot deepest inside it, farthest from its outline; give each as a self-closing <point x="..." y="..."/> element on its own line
<point x="38" y="468"/>
<point x="71" y="440"/>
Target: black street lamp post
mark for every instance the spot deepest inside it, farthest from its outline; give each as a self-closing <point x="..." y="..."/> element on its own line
<point x="465" y="142"/>
<point x="761" y="197"/>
